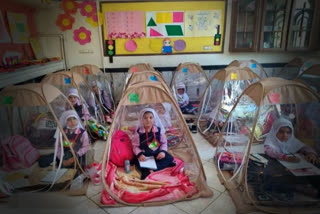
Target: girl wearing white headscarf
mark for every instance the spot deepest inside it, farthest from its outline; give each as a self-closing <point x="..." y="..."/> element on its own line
<point x="77" y="136"/>
<point x="281" y="142"/>
<point x="102" y="96"/>
<point x="163" y="110"/>
<point x="183" y="100"/>
<point x="150" y="140"/>
<point x="74" y="98"/>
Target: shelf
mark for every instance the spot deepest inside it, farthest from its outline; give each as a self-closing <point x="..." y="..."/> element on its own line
<point x="30" y="72"/>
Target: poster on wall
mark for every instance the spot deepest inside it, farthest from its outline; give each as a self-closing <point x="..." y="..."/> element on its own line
<point x="202" y="23"/>
<point x="4" y="35"/>
<point x="125" y="24"/>
<point x="18" y="27"/>
<point x="161" y="24"/>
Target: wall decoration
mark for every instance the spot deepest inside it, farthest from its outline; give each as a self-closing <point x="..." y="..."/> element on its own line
<point x="167" y="48"/>
<point x="69" y="6"/>
<point x="65" y="22"/>
<point x="165" y="24"/>
<point x="160" y="20"/>
<point x="129" y="24"/>
<point x="202" y="23"/>
<point x="111" y="49"/>
<point x="35" y="45"/>
<point x="131" y="45"/>
<point x="179" y="45"/>
<point x="88" y="8"/>
<point x="156" y="45"/>
<point x="93" y="20"/>
<point x="18" y="27"/>
<point x="217" y="36"/>
<point x="4" y="35"/>
<point x="82" y="35"/>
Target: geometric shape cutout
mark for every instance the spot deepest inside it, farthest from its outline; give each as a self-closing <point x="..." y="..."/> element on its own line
<point x="234" y="76"/>
<point x="151" y="23"/>
<point x="177" y="17"/>
<point x="7" y="100"/>
<point x="274" y="97"/>
<point x="174" y="30"/>
<point x="130" y="45"/>
<point x="134" y="97"/>
<point x="179" y="45"/>
<point x="67" y="80"/>
<point x="184" y="70"/>
<point x="154" y="33"/>
<point x="153" y="78"/>
<point x="164" y="17"/>
<point x="254" y="65"/>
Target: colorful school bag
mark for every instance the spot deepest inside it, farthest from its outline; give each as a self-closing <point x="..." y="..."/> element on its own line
<point x="18" y="153"/>
<point x="121" y="148"/>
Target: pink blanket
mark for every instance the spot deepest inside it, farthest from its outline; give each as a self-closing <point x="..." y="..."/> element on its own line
<point x="167" y="184"/>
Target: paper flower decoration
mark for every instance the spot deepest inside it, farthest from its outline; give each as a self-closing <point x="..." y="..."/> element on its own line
<point x="82" y="35"/>
<point x="65" y="22"/>
<point x="93" y="20"/>
<point x="69" y="6"/>
<point x="88" y="8"/>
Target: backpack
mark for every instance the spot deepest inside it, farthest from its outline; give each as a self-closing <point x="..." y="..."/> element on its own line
<point x="18" y="153"/>
<point x="121" y="148"/>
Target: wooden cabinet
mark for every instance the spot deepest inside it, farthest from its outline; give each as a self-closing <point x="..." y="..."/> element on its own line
<point x="304" y="25"/>
<point x="244" y="25"/>
<point x="274" y="25"/>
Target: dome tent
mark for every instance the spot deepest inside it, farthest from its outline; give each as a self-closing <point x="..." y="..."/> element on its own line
<point x="33" y="111"/>
<point x="64" y="80"/>
<point x="137" y="97"/>
<point x="195" y="80"/>
<point x="310" y="74"/>
<point x="268" y="185"/>
<point x="221" y="94"/>
<point x="290" y="70"/>
<point x="252" y="64"/>
<point x="86" y="69"/>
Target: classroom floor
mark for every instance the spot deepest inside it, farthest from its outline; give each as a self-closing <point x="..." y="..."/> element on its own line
<point x="56" y="203"/>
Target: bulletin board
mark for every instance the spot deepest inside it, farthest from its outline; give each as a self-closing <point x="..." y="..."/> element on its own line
<point x="148" y="28"/>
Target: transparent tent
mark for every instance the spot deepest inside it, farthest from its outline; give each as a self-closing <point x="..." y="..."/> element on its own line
<point x="221" y="94"/>
<point x="33" y="111"/>
<point x="100" y="86"/>
<point x="310" y="74"/>
<point x="65" y="80"/>
<point x="86" y="69"/>
<point x="195" y="80"/>
<point x="136" y="68"/>
<point x="253" y="178"/>
<point x="290" y="70"/>
<point x="252" y="64"/>
<point x="155" y="189"/>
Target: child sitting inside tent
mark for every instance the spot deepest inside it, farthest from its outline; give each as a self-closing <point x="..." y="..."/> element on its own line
<point x="183" y="100"/>
<point x="77" y="136"/>
<point x="150" y="140"/>
<point x="281" y="142"/>
<point x="163" y="110"/>
<point x="103" y="97"/>
<point x="74" y="98"/>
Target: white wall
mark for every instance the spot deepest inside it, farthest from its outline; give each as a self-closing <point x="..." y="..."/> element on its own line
<point x="45" y="19"/>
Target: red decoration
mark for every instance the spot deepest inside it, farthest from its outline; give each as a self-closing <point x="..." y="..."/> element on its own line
<point x="65" y="22"/>
<point x="69" y="6"/>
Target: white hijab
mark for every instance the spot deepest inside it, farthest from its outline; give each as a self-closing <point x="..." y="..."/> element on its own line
<point x="157" y="121"/>
<point x="68" y="114"/>
<point x="293" y="145"/>
<point x="165" y="118"/>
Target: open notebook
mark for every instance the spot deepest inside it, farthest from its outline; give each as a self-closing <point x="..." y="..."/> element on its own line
<point x="150" y="163"/>
<point x="302" y="168"/>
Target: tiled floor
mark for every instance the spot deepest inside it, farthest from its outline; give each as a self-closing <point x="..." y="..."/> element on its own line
<point x="55" y="203"/>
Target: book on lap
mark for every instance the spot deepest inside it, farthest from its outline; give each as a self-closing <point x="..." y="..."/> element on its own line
<point x="149" y="163"/>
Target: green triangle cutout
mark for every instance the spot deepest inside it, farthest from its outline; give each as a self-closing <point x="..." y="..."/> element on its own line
<point x="151" y="23"/>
